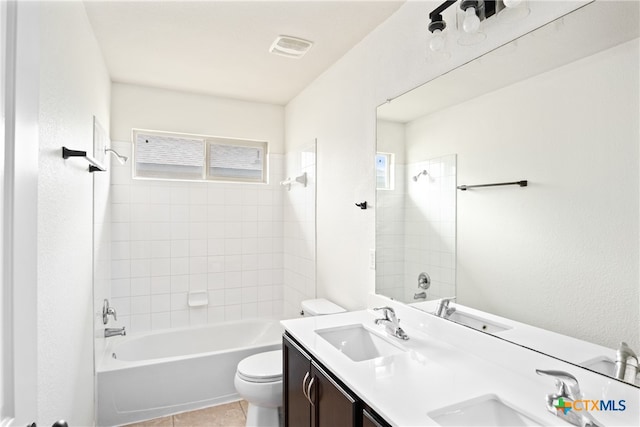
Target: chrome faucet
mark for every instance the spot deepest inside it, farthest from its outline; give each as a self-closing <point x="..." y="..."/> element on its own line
<point x="107" y="311"/>
<point x="112" y="332"/>
<point x="443" y="309"/>
<point x="623" y="355"/>
<point x="560" y="403"/>
<point x="391" y="323"/>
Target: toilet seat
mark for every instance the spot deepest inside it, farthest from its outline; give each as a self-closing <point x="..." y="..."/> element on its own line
<point x="262" y="367"/>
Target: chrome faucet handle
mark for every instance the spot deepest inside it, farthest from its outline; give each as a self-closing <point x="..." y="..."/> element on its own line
<point x="424" y="281"/>
<point x="624" y="351"/>
<point x="443" y="307"/>
<point x="388" y="313"/>
<point x="391" y="323"/>
<point x="108" y="311"/>
<point x="623" y="355"/>
<point x="561" y="403"/>
<point x="567" y="385"/>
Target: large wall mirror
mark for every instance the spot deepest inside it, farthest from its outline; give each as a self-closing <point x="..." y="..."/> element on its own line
<point x="558" y="107"/>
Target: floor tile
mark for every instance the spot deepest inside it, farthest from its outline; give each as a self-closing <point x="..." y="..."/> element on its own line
<point x="245" y="406"/>
<point x="228" y="415"/>
<point x="156" y="422"/>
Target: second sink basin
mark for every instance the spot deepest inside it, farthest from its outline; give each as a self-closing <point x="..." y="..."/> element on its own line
<point x="358" y="343"/>
<point x="477" y="322"/>
<point x="487" y="410"/>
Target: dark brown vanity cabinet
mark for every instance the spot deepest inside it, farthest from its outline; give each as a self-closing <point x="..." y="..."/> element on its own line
<point x="312" y="397"/>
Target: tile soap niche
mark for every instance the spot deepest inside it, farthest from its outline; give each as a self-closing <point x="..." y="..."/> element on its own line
<point x="198" y="299"/>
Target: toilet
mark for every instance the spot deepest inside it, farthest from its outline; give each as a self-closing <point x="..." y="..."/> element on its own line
<point x="258" y="378"/>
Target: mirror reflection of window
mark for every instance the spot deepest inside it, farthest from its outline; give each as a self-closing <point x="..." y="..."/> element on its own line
<point x="384" y="171"/>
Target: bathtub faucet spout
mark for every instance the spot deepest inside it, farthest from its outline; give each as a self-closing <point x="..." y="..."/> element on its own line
<point x="112" y="332"/>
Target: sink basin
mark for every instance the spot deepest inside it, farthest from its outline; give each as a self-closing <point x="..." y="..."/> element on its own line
<point x="604" y="365"/>
<point x="358" y="343"/>
<point x="487" y="410"/>
<point x="478" y="323"/>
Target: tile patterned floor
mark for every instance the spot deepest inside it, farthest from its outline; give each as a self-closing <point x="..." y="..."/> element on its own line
<point x="227" y="415"/>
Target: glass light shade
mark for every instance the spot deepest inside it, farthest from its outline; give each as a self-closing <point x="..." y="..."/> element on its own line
<point x="514" y="11"/>
<point x="436" y="43"/>
<point x="512" y="3"/>
<point x="471" y="23"/>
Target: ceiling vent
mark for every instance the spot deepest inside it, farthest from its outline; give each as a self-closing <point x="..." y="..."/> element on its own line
<point x="291" y="47"/>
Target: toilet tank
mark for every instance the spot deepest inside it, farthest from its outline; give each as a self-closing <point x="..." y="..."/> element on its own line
<point x="320" y="307"/>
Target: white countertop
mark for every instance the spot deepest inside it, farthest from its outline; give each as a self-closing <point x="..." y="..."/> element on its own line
<point x="561" y="346"/>
<point x="446" y="363"/>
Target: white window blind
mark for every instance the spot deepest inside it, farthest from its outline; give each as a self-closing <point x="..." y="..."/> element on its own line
<point x="243" y="162"/>
<point x="164" y="155"/>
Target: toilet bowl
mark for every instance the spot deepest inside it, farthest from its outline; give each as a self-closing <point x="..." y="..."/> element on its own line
<point x="258" y="379"/>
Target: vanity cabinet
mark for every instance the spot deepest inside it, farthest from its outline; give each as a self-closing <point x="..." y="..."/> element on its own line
<point x="313" y="397"/>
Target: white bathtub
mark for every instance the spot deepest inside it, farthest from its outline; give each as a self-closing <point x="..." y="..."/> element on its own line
<point x="162" y="373"/>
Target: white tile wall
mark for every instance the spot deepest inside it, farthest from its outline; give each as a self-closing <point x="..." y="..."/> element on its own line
<point x="415" y="231"/>
<point x="430" y="222"/>
<point x="299" y="232"/>
<point x="390" y="237"/>
<point x="170" y="237"/>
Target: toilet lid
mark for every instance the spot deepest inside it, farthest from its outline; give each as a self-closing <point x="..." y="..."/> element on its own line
<point x="261" y="367"/>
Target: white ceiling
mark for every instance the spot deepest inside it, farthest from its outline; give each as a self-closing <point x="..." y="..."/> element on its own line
<point x="222" y="47"/>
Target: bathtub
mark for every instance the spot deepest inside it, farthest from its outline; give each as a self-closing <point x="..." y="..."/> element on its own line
<point x="161" y="373"/>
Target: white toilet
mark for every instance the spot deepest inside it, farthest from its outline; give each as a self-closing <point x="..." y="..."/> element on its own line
<point x="258" y="378"/>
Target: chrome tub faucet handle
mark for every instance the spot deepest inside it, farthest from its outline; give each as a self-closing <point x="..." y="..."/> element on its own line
<point x="108" y="311"/>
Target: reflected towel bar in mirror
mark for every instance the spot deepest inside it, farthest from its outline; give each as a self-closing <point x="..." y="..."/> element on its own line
<point x="522" y="183"/>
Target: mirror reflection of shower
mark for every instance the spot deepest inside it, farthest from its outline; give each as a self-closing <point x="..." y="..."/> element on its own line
<point x="422" y="172"/>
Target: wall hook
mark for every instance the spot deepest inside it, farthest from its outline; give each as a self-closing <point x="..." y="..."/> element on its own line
<point x="362" y="205"/>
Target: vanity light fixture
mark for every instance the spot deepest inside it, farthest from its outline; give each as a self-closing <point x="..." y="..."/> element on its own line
<point x="469" y="17"/>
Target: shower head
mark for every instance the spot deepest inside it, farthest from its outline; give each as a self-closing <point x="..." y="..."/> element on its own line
<point x="122" y="159"/>
<point x="422" y="172"/>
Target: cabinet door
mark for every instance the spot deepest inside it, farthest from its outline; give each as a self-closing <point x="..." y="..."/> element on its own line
<point x="332" y="405"/>
<point x="371" y="420"/>
<point x="296" y="369"/>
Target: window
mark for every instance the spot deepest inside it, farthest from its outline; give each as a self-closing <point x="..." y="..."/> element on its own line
<point x="239" y="161"/>
<point x="164" y="155"/>
<point x="384" y="171"/>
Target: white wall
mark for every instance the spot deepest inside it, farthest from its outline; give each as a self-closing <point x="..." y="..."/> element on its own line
<point x="170" y="238"/>
<point x="339" y="109"/>
<point x="74" y="86"/>
<point x="19" y="281"/>
<point x="157" y="109"/>
<point x="567" y="244"/>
